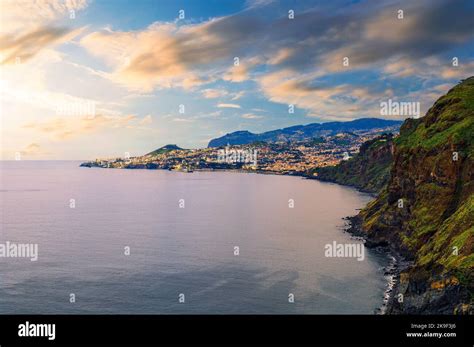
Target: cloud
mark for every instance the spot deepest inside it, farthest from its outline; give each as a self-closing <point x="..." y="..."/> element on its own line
<point x="65" y="128"/>
<point x="21" y="48"/>
<point x="142" y="60"/>
<point x="183" y="120"/>
<point x="251" y="116"/>
<point x="258" y="3"/>
<point x="238" y="95"/>
<point x="237" y="74"/>
<point x="21" y="15"/>
<point x="32" y="150"/>
<point x="214" y="93"/>
<point x="27" y="27"/>
<point x="146" y="120"/>
<point x="228" y="105"/>
<point x="422" y="33"/>
<point x="241" y="72"/>
<point x="311" y="47"/>
<point x="167" y="55"/>
<point x="322" y="100"/>
<point x="457" y="72"/>
<point x="286" y="87"/>
<point x="281" y="56"/>
<point x="429" y="68"/>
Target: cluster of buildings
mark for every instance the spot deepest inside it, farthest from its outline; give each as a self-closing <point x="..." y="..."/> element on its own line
<point x="294" y="158"/>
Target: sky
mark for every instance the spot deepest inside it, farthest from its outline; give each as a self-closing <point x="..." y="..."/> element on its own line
<point x="82" y="79"/>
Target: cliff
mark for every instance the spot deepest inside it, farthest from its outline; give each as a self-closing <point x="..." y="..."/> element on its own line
<point x="368" y="171"/>
<point x="426" y="210"/>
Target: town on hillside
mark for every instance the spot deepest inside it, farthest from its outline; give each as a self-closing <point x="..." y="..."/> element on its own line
<point x="287" y="157"/>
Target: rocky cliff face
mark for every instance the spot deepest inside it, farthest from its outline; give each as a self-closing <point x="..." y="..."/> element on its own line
<point x="426" y="210"/>
<point x="368" y="171"/>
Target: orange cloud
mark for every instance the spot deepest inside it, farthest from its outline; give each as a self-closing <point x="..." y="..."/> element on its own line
<point x="167" y="55"/>
<point x="237" y="74"/>
<point x="27" y="27"/>
<point x="327" y="102"/>
<point x="145" y="59"/>
<point x="65" y="128"/>
<point x="23" y="15"/>
<point x="31" y="150"/>
<point x="18" y="49"/>
<point x="213" y="93"/>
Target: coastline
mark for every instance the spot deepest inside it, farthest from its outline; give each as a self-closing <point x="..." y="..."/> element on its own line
<point x="89" y="165"/>
<point x="392" y="271"/>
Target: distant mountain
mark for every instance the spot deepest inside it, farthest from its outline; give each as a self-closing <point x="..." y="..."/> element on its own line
<point x="369" y="170"/>
<point x="306" y="132"/>
<point x="164" y="149"/>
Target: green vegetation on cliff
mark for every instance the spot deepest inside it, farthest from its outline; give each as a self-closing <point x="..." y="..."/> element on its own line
<point x="426" y="210"/>
<point x="369" y="170"/>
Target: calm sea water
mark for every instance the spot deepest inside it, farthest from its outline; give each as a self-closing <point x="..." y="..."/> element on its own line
<point x="179" y="250"/>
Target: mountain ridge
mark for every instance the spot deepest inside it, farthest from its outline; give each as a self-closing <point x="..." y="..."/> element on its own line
<point x="304" y="132"/>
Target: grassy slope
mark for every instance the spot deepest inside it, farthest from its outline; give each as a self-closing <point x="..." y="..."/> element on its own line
<point x="437" y="191"/>
<point x="369" y="170"/>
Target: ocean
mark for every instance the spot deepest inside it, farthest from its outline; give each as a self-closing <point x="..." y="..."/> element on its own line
<point x="112" y="241"/>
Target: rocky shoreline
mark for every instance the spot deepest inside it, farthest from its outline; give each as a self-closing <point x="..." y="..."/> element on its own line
<point x="409" y="289"/>
<point x="392" y="271"/>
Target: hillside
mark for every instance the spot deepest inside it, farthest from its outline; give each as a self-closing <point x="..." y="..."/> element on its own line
<point x="306" y="132"/>
<point x="432" y="177"/>
<point x="368" y="171"/>
<point x="164" y="149"/>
